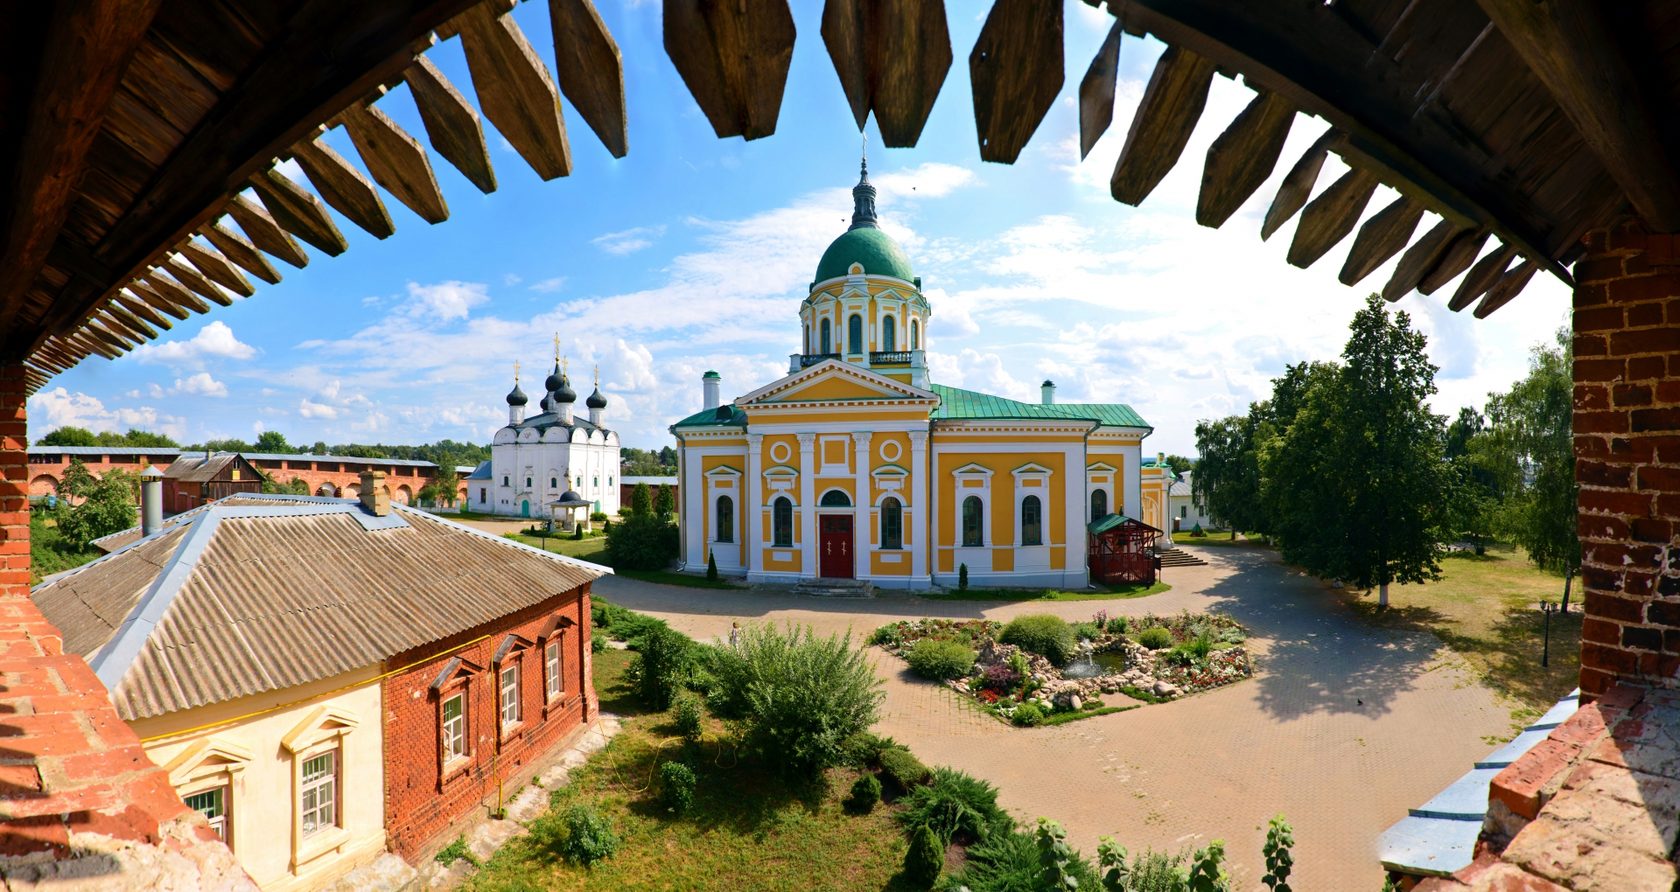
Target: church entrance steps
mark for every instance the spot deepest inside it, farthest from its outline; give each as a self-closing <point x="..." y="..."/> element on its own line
<point x="835" y="588"/>
<point x="1178" y="557"/>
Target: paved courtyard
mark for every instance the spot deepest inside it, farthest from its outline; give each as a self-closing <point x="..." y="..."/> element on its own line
<point x="1342" y="728"/>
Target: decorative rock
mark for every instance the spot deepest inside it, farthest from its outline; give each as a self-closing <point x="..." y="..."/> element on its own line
<point x="1075" y="703"/>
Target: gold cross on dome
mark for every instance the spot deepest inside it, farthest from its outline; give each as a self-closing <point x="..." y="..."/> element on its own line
<point x="597" y="374"/>
<point x="516" y="371"/>
<point x="557" y="346"/>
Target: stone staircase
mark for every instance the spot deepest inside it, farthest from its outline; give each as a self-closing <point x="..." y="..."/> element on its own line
<point x="835" y="588"/>
<point x="1178" y="557"/>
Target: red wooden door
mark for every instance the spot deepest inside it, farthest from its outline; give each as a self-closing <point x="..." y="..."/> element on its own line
<point x="835" y="547"/>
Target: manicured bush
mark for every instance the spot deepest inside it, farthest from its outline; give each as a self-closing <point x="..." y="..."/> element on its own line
<point x="903" y="768"/>
<point x="924" y="860"/>
<point x="711" y="567"/>
<point x="1010" y="862"/>
<point x="1116" y="625"/>
<point x="644" y="541"/>
<point x="800" y="697"/>
<point x="962" y="577"/>
<point x="1028" y="715"/>
<point x="951" y="803"/>
<point x="864" y="749"/>
<point x="580" y="834"/>
<point x="687" y="715"/>
<point x="664" y="662"/>
<point x="598" y="517"/>
<point x="1180" y="655"/>
<point x="1087" y="631"/>
<point x="1048" y="636"/>
<point x="1155" y="638"/>
<point x="939" y="660"/>
<point x="676" y="787"/>
<point x="577" y="532"/>
<point x="1197" y="532"/>
<point x="865" y="793"/>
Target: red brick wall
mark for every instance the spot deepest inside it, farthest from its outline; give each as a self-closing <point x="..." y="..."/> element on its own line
<point x="420" y="803"/>
<point x="1627" y="448"/>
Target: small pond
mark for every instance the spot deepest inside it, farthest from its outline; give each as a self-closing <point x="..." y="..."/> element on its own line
<point x="1104" y="663"/>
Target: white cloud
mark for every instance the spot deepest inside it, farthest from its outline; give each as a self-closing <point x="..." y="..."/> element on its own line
<point x="444" y="300"/>
<point x="628" y="241"/>
<point x="308" y="408"/>
<point x="213" y="341"/>
<point x="931" y="180"/>
<point x="549" y="286"/>
<point x="512" y="279"/>
<point x="60" y="406"/>
<point x="200" y="384"/>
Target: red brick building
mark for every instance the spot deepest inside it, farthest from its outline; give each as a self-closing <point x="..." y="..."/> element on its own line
<point x="468" y="718"/>
<point x="198" y="478"/>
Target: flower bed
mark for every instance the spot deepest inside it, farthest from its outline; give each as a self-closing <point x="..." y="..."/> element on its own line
<point x="1201" y="652"/>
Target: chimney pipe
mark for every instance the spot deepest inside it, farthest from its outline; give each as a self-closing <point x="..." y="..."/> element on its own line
<point x="151" y="500"/>
<point x="710" y="384"/>
<point x="375" y="497"/>
<point x="1047" y="392"/>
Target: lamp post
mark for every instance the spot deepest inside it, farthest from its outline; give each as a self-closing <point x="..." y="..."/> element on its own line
<point x="1547" y="608"/>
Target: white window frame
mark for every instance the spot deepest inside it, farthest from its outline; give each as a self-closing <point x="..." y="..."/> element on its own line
<point x="330" y="782"/>
<point x="504" y="705"/>
<point x="454" y="740"/>
<point x="222" y="823"/>
<point x="553" y="665"/>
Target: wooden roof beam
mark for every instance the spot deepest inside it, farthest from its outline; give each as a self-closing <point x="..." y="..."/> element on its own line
<point x="138" y="308"/>
<point x="263" y="231"/>
<point x="892" y="58"/>
<point x="451" y="123"/>
<point x="591" y="70"/>
<point x="1509" y="285"/>
<point x="343" y="187"/>
<point x="157" y="301"/>
<point x="1297" y="185"/>
<point x="1328" y="218"/>
<point x="396" y="161"/>
<point x="1481" y="277"/>
<point x="515" y="91"/>
<point x="1380" y="238"/>
<point x="1167" y="113"/>
<point x="1241" y="158"/>
<point x="215" y="267"/>
<point x="734" y="59"/>
<point x="1015" y="72"/>
<point x="1570" y="48"/>
<point x="1096" y="92"/>
<point x="298" y="212"/>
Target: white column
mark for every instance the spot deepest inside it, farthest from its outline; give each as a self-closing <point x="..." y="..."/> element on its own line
<point x="860" y="527"/>
<point x="753" y="510"/>
<point x="921" y="508"/>
<point x="808" y="504"/>
<point x="694" y="504"/>
<point x="1076" y="503"/>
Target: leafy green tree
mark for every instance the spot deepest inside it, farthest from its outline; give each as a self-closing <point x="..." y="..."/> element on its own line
<point x="1227" y="478"/>
<point x="108" y="508"/>
<point x="439" y="490"/>
<point x="78" y="480"/>
<point x="665" y="504"/>
<point x="68" y="435"/>
<point x="1531" y="450"/>
<point x="641" y="500"/>
<point x="272" y="441"/>
<point x="1180" y="464"/>
<point x="293" y="486"/>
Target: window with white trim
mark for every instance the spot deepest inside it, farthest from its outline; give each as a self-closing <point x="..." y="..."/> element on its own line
<point x="318" y="793"/>
<point x="781" y="523"/>
<point x="551" y="665"/>
<point x="454" y="726"/>
<point x="972" y="513"/>
<point x="212" y="804"/>
<point x="510" y="696"/>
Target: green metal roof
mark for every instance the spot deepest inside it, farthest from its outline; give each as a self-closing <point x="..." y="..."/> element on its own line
<point x="957" y="403"/>
<point x="1111" y="521"/>
<point x="724" y="414"/>
<point x="874" y="249"/>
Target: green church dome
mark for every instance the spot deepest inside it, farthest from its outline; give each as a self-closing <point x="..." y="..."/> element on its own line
<point x="866" y="245"/>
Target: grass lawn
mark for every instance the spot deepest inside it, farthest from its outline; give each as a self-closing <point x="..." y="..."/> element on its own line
<point x="748" y="829"/>
<point x="1103" y="593"/>
<point x="1487" y="609"/>
<point x="596" y="550"/>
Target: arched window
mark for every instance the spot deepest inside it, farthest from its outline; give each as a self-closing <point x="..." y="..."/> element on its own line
<point x="973" y="514"/>
<point x="889" y="335"/>
<point x="1032" y="521"/>
<point x="835" y="498"/>
<point x="827" y="338"/>
<point x="807" y="329"/>
<point x="892" y="524"/>
<point x="725" y="519"/>
<point x="1099" y="504"/>
<point x="527" y="483"/>
<point x="554" y="483"/>
<point x="781" y="523"/>
<point x="915" y="335"/>
<point x="854" y="334"/>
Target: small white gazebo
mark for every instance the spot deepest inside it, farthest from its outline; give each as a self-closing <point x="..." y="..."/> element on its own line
<point x="569" y="502"/>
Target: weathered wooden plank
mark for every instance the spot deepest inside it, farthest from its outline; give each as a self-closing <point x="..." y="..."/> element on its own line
<point x="396" y="161"/>
<point x="197" y="283"/>
<point x="1297" y="184"/>
<point x="1456" y="258"/>
<point x="236" y="248"/>
<point x="1509" y="286"/>
<point x="264" y="232"/>
<point x="734" y="58"/>
<point x="1015" y="70"/>
<point x="298" y="212"/>
<point x="892" y="57"/>
<point x="1331" y="216"/>
<point x="1380" y="238"/>
<point x="515" y="91"/>
<point x="1572" y="50"/>
<point x="173" y="292"/>
<point x="1096" y="92"/>
<point x="1169" y="110"/>
<point x="1481" y="277"/>
<point x="343" y="187"/>
<point x="451" y="123"/>
<point x="130" y="321"/>
<point x="85" y="50"/>
<point x="590" y="70"/>
<point x="138" y="308"/>
<point x="216" y="267"/>
<point x="156" y="301"/>
<point x="100" y="325"/>
<point x="91" y="339"/>
<point x="1242" y="157"/>
<point x="1418" y="259"/>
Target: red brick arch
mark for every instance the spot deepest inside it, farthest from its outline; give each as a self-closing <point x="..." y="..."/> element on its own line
<point x="43" y="485"/>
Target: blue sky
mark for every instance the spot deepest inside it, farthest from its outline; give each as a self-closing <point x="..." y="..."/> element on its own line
<point x="693" y="253"/>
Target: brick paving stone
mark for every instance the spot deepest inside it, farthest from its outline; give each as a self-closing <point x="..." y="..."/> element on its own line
<point x="1343" y="728"/>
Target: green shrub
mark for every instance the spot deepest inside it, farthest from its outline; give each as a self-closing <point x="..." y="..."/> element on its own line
<point x="1048" y="636"/>
<point x="676" y="787"/>
<point x="1116" y="625"/>
<point x="951" y="803"/>
<point x="1196" y="531"/>
<point x="1028" y="715"/>
<point x="665" y="660"/>
<point x="711" y="567"/>
<point x="800" y="697"/>
<point x="1279" y="862"/>
<point x="580" y="834"/>
<point x="687" y="715"/>
<point x="889" y="635"/>
<point x="577" y="532"/>
<point x="924" y="860"/>
<point x="903" y="768"/>
<point x="1087" y="631"/>
<point x="458" y="851"/>
<point x="597" y="641"/>
<point x="644" y="541"/>
<point x="962" y="577"/>
<point x="1200" y="646"/>
<point x="1180" y="655"/>
<point x="864" y="749"/>
<point x="865" y="793"/>
<point x="1009" y="861"/>
<point x="940" y="659"/>
<point x="598" y="517"/>
<point x="1155" y="638"/>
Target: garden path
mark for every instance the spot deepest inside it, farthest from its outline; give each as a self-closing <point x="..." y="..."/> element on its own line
<point x="1343" y="727"/>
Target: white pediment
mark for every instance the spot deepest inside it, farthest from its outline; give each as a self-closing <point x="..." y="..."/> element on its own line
<point x="834" y="380"/>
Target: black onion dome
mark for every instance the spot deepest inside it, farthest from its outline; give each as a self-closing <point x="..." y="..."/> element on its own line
<point x="596" y="400"/>
<point x="516" y="397"/>
<point x="554" y="379"/>
<point x="564" y="393"/>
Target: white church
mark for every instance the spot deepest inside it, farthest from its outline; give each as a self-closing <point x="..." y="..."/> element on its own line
<point x="551" y="457"/>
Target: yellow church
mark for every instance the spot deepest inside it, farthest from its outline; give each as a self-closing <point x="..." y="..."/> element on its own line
<point x="856" y="466"/>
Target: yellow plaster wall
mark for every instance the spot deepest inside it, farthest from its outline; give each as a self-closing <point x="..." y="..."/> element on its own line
<point x="707" y="515"/>
<point x="263" y="806"/>
<point x="1001" y="495"/>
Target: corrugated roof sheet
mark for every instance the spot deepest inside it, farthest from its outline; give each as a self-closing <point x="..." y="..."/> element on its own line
<point x="193" y="467"/>
<point x="105" y="450"/>
<point x="124" y="538"/>
<point x="266" y="598"/>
